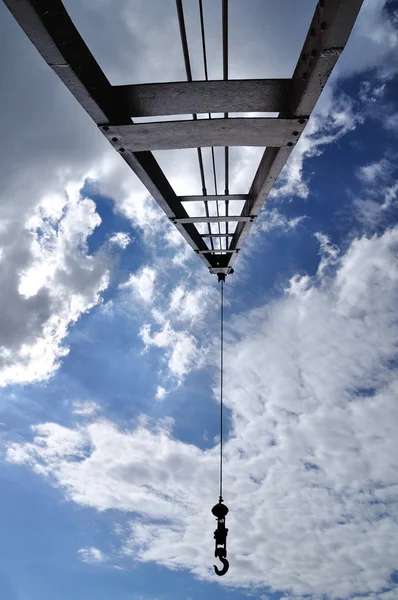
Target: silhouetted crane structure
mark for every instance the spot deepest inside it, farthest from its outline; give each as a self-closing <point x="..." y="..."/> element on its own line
<point x="216" y="239"/>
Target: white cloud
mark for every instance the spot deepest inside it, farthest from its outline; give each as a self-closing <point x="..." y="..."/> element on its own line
<point x="373" y="43"/>
<point x="273" y="219"/>
<point x="334" y="117"/>
<point x="161" y="393"/>
<point x="49" y="279"/>
<point x="310" y="473"/>
<point x="121" y="239"/>
<point x="190" y="305"/>
<point x="91" y="555"/>
<point x="328" y="251"/>
<point x="85" y="408"/>
<point x="142" y="284"/>
<point x="375" y="171"/>
<point x="379" y="194"/>
<point x="182" y="351"/>
<point x="392" y="122"/>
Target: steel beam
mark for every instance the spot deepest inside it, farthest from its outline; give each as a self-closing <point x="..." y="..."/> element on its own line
<point x="329" y="31"/>
<point x="190" y="97"/>
<point x="217" y="251"/>
<point x="205" y="133"/>
<point x="221" y="219"/>
<point x="213" y="198"/>
<point x="217" y="235"/>
<point x="51" y="30"/>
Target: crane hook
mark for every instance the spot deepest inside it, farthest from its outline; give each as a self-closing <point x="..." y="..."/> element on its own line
<point x="225" y="568"/>
<point x="220" y="511"/>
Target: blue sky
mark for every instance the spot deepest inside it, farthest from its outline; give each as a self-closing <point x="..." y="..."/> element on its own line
<point x="109" y="336"/>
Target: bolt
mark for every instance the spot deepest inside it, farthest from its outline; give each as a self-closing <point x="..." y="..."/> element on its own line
<point x="290" y="144"/>
<point x="301" y="121"/>
<point x="106" y="128"/>
<point x="295" y="132"/>
<point x="323" y="25"/>
<point x="121" y="150"/>
<point x="313" y="53"/>
<point x="305" y="76"/>
<point x="45" y="12"/>
<point x="114" y="139"/>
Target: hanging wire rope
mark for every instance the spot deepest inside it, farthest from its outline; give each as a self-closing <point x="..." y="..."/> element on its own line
<point x="188" y="71"/>
<point x="225" y="77"/>
<point x="220" y="510"/>
<point x="221" y="383"/>
<point x="204" y="51"/>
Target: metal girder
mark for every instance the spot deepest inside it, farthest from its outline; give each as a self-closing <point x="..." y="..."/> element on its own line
<point x="217" y="251"/>
<point x="192" y="97"/>
<point x="51" y="30"/>
<point x="217" y="235"/>
<point x="328" y="34"/>
<point x="212" y="198"/>
<point x="221" y="219"/>
<point x="203" y="133"/>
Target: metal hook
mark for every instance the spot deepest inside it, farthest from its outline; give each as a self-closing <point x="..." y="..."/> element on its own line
<point x="224" y="570"/>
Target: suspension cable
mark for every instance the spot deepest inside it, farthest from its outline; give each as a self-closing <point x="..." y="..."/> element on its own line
<point x="188" y="71"/>
<point x="221" y="382"/>
<point x="213" y="159"/>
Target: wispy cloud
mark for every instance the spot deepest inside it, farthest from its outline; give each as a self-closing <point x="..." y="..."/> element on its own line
<point x="85" y="408"/>
<point x="334" y="117"/>
<point x="91" y="555"/>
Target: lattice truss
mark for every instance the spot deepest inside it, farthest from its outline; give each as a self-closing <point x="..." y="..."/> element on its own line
<point x="216" y="237"/>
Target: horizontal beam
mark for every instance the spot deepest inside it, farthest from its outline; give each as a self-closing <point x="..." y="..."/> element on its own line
<point x="213" y="198"/>
<point x="217" y="251"/>
<point x="221" y="219"/>
<point x="205" y="133"/>
<point x="186" y="98"/>
<point x="217" y="235"/>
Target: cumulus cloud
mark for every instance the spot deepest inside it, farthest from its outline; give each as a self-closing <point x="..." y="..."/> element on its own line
<point x="190" y="304"/>
<point x="142" y="284"/>
<point x="182" y="351"/>
<point x="161" y="393"/>
<point x="91" y="555"/>
<point x="49" y="279"/>
<point x="310" y="473"/>
<point x="121" y="239"/>
<point x="175" y="324"/>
